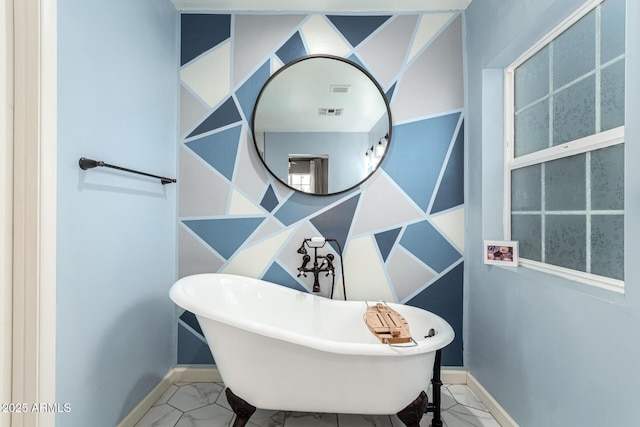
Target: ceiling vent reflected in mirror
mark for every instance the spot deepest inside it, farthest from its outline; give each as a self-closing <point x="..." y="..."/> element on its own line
<point x="334" y="112"/>
<point x="339" y="88"/>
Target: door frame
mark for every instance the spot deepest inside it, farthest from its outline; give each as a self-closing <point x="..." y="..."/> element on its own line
<point x="34" y="152"/>
<point x="6" y="201"/>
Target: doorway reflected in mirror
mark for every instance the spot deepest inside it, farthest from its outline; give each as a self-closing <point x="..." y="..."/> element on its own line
<point x="309" y="174"/>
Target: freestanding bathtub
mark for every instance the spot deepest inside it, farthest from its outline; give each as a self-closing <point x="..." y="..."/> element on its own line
<point x="278" y="348"/>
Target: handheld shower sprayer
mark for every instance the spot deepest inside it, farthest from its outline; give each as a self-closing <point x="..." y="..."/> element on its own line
<point x="317" y="242"/>
<point x="302" y="250"/>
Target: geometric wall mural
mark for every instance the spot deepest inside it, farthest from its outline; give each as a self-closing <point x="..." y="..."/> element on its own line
<point x="401" y="231"/>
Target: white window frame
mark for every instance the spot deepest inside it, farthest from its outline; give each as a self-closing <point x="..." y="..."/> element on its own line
<point x="590" y="143"/>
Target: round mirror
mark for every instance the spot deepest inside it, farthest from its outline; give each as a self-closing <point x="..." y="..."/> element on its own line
<point x="321" y="125"/>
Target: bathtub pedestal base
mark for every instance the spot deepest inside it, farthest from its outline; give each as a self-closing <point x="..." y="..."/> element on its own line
<point x="412" y="414"/>
<point x="241" y="408"/>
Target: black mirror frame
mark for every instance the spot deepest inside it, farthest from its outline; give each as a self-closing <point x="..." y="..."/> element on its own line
<point x="349" y="62"/>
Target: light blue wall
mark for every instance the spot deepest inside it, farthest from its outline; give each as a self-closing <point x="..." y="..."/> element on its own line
<point x="551" y="351"/>
<point x="117" y="102"/>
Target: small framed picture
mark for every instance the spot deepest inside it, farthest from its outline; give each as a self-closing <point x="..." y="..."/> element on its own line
<point x="501" y="252"/>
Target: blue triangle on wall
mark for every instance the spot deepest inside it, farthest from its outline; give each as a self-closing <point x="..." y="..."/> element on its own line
<point x="354" y="58"/>
<point x="277" y="274"/>
<point x="224" y="235"/>
<point x="192" y="350"/>
<point x="190" y="319"/>
<point x="219" y="150"/>
<point x="416" y="155"/>
<point x="357" y="28"/>
<point x="444" y="298"/>
<point x="451" y="188"/>
<point x="224" y="115"/>
<point x="201" y="32"/>
<point x="247" y="94"/>
<point x="270" y="200"/>
<point x="300" y="205"/>
<point x="390" y="93"/>
<point x="336" y="222"/>
<point x="428" y="245"/>
<point x="292" y="49"/>
<point x="386" y="240"/>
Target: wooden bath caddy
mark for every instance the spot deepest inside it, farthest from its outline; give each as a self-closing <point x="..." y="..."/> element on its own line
<point x="387" y="324"/>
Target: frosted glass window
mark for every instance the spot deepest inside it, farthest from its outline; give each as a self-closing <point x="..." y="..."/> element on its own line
<point x="565" y="238"/>
<point x="574" y="84"/>
<point x="566" y="162"/>
<point x="607" y="246"/>
<point x="527" y="229"/>
<point x="532" y="79"/>
<point x="612" y="30"/>
<point x="574" y="111"/>
<point x="607" y="178"/>
<point x="574" y="51"/>
<point x="532" y="128"/>
<point x="612" y="96"/>
<point x="574" y="217"/>
<point x="564" y="183"/>
<point x="526" y="189"/>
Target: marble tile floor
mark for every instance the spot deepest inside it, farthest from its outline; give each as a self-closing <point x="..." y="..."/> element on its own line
<point x="200" y="404"/>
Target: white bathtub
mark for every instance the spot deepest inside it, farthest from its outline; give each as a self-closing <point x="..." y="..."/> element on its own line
<point x="278" y="348"/>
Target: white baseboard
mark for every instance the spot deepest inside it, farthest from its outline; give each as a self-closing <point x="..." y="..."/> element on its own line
<point x="175" y="375"/>
<point x="498" y="412"/>
<point x="196" y="373"/>
<point x="209" y="374"/>
<point x="453" y="376"/>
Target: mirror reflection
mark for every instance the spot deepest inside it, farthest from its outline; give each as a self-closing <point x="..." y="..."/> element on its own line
<point x="321" y="125"/>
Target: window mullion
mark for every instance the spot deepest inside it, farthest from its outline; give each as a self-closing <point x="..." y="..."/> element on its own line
<point x="588" y="143"/>
<point x="543" y="213"/>
<point x="598" y="124"/>
<point x="587" y="189"/>
<point x="551" y="93"/>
